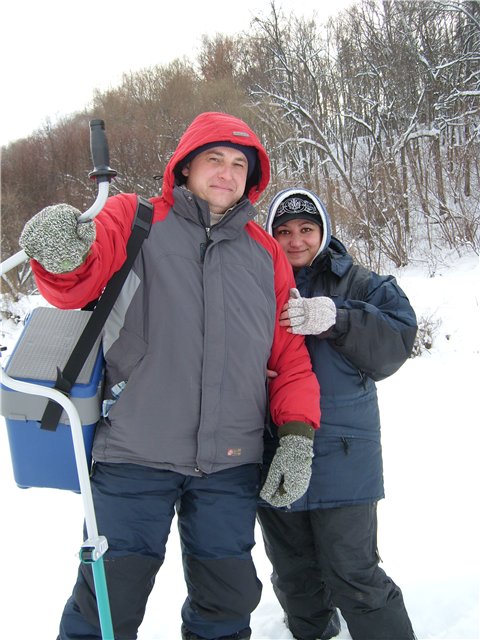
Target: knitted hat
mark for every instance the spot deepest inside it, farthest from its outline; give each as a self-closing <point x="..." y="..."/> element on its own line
<point x="249" y="152"/>
<point x="294" y="207"/>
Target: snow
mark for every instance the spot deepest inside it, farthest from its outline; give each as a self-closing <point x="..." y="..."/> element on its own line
<point x="428" y="525"/>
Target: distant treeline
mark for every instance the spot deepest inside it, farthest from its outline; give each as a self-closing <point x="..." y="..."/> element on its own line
<point x="377" y="110"/>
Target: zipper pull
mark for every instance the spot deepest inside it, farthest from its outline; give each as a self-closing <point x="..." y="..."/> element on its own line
<point x="204" y="245"/>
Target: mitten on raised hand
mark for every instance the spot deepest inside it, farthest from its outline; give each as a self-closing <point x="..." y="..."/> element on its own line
<point x="310" y="316"/>
<point x="55" y="238"/>
<point x="290" y="471"/>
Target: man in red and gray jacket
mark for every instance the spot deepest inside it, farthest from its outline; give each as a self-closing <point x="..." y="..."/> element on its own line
<point x="187" y="348"/>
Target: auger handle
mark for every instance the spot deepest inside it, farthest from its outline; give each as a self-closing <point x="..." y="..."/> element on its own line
<point x="100" y="154"/>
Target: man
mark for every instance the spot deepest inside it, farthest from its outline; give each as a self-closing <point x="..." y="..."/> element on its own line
<point x="360" y="327"/>
<point x="187" y="347"/>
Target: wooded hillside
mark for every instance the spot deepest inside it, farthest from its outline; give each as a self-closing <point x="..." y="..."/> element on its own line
<point x="378" y="111"/>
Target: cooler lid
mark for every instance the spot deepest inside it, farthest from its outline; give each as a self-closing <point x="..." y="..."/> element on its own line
<point x="46" y="343"/>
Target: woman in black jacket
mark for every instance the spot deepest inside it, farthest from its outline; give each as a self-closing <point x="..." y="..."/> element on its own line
<point x="359" y="328"/>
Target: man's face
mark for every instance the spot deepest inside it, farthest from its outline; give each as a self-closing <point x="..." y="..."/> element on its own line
<point x="300" y="240"/>
<point x="218" y="175"/>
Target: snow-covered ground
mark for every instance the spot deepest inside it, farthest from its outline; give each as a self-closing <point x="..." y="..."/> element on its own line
<point x="429" y="524"/>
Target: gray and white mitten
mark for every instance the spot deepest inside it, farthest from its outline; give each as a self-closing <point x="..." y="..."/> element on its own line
<point x="56" y="239"/>
<point x="290" y="471"/>
<point x="310" y="316"/>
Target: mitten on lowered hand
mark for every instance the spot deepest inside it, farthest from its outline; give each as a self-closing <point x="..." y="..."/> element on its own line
<point x="56" y="239"/>
<point x="290" y="471"/>
<point x="310" y="316"/>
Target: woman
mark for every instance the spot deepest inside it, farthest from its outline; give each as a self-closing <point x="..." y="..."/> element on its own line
<point x="359" y="328"/>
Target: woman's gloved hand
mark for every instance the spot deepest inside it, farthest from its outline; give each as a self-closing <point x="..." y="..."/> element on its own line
<point x="308" y="316"/>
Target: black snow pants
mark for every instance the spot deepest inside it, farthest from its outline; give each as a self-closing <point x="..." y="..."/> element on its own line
<point x="327" y="558"/>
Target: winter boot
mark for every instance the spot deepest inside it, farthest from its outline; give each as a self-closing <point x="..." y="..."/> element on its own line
<point x="332" y="629"/>
<point x="244" y="634"/>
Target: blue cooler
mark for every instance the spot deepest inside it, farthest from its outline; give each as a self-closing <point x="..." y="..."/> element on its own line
<point x="43" y="458"/>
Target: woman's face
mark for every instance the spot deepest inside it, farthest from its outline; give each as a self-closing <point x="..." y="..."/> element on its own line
<point x="300" y="240"/>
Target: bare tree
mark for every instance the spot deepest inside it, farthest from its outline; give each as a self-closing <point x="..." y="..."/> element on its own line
<point x="376" y="106"/>
<point x="377" y="111"/>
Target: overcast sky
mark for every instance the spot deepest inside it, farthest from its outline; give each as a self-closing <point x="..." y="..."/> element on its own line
<point x="55" y="53"/>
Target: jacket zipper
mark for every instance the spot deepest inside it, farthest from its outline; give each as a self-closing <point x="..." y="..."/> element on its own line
<point x="204" y="245"/>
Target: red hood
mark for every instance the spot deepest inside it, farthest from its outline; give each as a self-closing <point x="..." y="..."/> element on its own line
<point x="214" y="127"/>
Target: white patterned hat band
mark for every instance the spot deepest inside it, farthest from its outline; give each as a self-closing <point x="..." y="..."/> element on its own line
<point x="296" y="205"/>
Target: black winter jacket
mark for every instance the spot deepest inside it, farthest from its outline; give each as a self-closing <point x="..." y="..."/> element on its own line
<point x="372" y="337"/>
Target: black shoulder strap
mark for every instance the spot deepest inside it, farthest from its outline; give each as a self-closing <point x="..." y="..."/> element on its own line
<point x="66" y="378"/>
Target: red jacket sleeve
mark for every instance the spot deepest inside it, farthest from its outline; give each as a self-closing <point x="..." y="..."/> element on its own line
<point x="295" y="392"/>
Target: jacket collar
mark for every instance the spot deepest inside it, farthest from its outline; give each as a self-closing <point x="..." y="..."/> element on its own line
<point x="189" y="206"/>
<point x="334" y="258"/>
